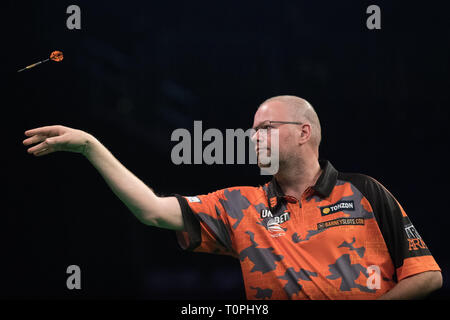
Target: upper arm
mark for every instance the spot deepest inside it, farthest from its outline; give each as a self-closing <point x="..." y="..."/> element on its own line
<point x="167" y="214"/>
<point x="206" y="225"/>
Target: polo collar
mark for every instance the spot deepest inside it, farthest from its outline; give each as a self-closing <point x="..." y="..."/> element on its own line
<point x="323" y="187"/>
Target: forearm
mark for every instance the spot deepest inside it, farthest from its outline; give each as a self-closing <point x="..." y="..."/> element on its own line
<point x="415" y="287"/>
<point x="134" y="193"/>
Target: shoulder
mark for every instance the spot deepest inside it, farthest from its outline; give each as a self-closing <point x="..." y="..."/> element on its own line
<point x="378" y="196"/>
<point x="357" y="178"/>
<point x="249" y="192"/>
<point x="242" y="195"/>
<point x="364" y="183"/>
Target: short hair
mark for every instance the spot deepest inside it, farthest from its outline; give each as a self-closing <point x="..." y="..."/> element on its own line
<point x="303" y="110"/>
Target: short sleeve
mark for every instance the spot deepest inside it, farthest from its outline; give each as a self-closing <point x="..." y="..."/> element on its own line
<point x="206" y="225"/>
<point x="416" y="256"/>
<point x="409" y="253"/>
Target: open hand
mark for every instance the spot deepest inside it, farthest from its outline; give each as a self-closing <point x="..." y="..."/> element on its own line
<point x="56" y="138"/>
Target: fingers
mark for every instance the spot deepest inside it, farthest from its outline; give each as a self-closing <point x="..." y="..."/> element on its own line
<point x="34" y="139"/>
<point x="47" y="139"/>
<point x="46" y="131"/>
<point x="43" y="152"/>
<point x="42" y="134"/>
<point x="39" y="148"/>
<point x="47" y="146"/>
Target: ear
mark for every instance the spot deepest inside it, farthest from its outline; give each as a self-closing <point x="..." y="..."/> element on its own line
<point x="304" y="133"/>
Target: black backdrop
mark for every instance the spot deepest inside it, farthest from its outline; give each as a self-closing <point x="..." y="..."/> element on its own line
<point x="136" y="71"/>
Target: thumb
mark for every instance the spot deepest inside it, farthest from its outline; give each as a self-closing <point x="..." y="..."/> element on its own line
<point x="51" y="141"/>
<point x="54" y="141"/>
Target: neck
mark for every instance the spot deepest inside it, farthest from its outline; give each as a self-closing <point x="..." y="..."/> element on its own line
<point x="294" y="180"/>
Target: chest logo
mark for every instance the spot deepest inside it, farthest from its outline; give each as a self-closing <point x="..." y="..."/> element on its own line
<point x="273" y="223"/>
<point x="347" y="205"/>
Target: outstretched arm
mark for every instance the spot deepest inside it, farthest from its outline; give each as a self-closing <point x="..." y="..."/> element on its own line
<point x="150" y="209"/>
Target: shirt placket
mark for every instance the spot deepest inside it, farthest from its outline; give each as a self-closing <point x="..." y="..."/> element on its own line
<point x="294" y="207"/>
<point x="299" y="205"/>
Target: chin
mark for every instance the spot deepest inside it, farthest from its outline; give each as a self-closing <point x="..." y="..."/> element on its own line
<point x="264" y="164"/>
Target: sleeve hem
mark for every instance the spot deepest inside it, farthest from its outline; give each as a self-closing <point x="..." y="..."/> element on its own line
<point x="190" y="238"/>
<point x="420" y="265"/>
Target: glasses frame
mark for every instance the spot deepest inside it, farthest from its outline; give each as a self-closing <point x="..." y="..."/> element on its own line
<point x="275" y="121"/>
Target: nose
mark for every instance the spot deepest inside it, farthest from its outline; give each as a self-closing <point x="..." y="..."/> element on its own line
<point x="254" y="136"/>
<point x="259" y="136"/>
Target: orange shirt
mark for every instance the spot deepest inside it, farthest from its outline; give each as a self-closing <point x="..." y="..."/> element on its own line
<point x="346" y="238"/>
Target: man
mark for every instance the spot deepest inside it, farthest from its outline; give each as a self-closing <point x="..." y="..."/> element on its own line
<point x="310" y="233"/>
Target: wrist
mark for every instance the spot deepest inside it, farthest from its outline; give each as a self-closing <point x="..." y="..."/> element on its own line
<point x="89" y="145"/>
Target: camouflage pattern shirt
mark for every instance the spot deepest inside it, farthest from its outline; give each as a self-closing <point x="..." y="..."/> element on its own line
<point x="346" y="238"/>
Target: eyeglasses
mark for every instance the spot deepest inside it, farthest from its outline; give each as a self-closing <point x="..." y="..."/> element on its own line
<point x="268" y="124"/>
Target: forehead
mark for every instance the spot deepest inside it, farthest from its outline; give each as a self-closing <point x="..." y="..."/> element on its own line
<point x="273" y="110"/>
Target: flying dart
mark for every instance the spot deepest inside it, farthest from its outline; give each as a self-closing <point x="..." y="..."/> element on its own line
<point x="55" y="56"/>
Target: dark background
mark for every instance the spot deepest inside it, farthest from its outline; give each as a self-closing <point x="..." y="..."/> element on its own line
<point x="136" y="71"/>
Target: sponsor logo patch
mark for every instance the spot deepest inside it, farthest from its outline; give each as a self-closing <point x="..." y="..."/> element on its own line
<point x="347" y="205"/>
<point x="414" y="239"/>
<point x="340" y="222"/>
<point x="193" y="199"/>
<point x="273" y="223"/>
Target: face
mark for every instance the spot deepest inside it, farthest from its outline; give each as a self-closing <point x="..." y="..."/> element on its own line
<point x="275" y="111"/>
